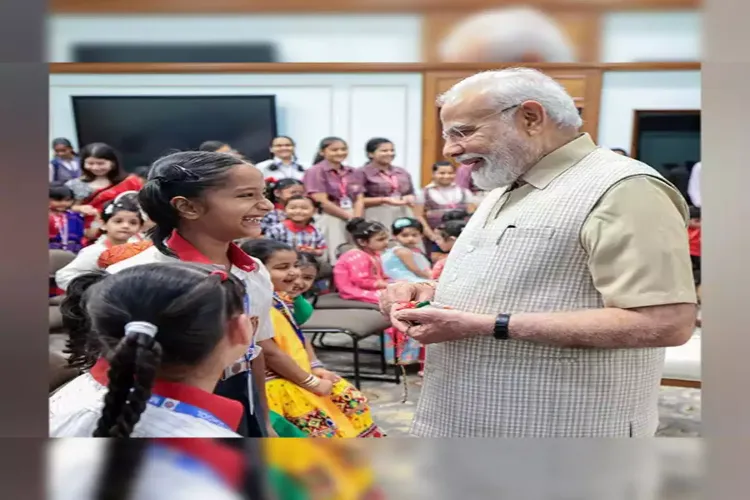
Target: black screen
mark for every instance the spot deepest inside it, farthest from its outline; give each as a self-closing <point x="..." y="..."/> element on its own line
<point x="175" y="53"/>
<point x="143" y="128"/>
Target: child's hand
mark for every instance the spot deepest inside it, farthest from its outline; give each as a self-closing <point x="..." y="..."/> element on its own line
<point x="381" y="284"/>
<point x="326" y="375"/>
<point x="324" y="388"/>
<point x="86" y="210"/>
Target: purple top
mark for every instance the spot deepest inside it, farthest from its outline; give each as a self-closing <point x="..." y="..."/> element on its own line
<point x="377" y="183"/>
<point x="463" y="179"/>
<point x="322" y="178"/>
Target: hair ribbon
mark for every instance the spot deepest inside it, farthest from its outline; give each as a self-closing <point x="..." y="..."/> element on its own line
<point x="399" y="223"/>
<point x="144" y="327"/>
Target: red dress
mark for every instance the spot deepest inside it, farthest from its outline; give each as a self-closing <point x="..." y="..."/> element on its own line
<point x="101" y="197"/>
<point x="694" y="235"/>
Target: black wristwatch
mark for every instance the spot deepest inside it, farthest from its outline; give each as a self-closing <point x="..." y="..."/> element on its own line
<point x="501" y="327"/>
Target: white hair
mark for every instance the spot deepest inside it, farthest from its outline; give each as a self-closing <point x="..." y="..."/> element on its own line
<point x="510" y="87"/>
<point x="507" y="35"/>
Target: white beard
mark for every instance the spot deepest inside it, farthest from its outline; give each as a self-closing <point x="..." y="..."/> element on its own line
<point x="496" y="172"/>
<point x="509" y="160"/>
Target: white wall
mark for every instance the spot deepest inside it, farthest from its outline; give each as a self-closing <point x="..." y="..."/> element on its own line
<point x="356" y="107"/>
<point x="626" y="36"/>
<point x="623" y="92"/>
<point x="652" y="36"/>
<point x="299" y="38"/>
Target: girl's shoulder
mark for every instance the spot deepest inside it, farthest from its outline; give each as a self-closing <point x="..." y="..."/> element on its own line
<point x="350" y="255"/>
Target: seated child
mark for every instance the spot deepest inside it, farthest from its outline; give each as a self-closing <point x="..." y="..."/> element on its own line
<point x="406" y="261"/>
<point x="121" y="221"/>
<point x="278" y="192"/>
<point x="298" y="387"/>
<point x="435" y="252"/>
<point x="309" y="269"/>
<point x="157" y="339"/>
<point x="66" y="227"/>
<point x="448" y="233"/>
<point x="297" y="229"/>
<point x="358" y="273"/>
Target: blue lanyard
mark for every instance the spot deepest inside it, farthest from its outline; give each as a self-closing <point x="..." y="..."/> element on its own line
<point x="186" y="409"/>
<point x="246" y="301"/>
<point x="184" y="462"/>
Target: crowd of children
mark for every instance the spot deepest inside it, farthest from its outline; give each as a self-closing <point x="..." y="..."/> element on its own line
<point x="157" y="325"/>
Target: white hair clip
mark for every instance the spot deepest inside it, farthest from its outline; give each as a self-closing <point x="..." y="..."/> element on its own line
<point x="141" y="327"/>
<point x="126" y="194"/>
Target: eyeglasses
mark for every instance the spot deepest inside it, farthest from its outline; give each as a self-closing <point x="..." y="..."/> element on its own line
<point x="459" y="133"/>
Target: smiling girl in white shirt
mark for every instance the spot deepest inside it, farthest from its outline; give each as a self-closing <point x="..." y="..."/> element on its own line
<point x="200" y="202"/>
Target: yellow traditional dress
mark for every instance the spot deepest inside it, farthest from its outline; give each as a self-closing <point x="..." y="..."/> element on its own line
<point x="344" y="413"/>
<point x="326" y="469"/>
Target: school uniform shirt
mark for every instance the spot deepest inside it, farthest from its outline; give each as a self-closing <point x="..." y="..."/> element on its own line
<point x="86" y="261"/>
<point x="438" y="200"/>
<point x="337" y="184"/>
<point x="275" y="216"/>
<point x="248" y="269"/>
<point x="301" y="238"/>
<point x="175" y="410"/>
<point x="64" y="170"/>
<point x="184" y="469"/>
<point x="392" y="182"/>
<point x="279" y="170"/>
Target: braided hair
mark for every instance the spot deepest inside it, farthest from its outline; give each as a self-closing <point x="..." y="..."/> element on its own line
<point x="154" y="317"/>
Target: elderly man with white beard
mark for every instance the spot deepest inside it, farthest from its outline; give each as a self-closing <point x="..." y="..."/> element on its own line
<point x="551" y="316"/>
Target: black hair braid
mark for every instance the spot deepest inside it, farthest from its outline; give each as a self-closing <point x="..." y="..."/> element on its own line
<point x="131" y="376"/>
<point x="82" y="347"/>
<point x="124" y="459"/>
<point x="120" y="376"/>
<point x="147" y="359"/>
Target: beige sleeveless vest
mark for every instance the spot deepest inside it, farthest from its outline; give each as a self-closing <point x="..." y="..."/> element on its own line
<point x="530" y="259"/>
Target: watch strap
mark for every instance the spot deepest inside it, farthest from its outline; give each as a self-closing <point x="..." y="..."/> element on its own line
<point x="501" y="327"/>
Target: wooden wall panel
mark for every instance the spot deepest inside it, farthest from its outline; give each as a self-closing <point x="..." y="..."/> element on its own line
<point x="343" y="6"/>
<point x="462" y="68"/>
<point x="583" y="27"/>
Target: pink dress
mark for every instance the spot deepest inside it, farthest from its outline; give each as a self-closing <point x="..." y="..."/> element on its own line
<point x="437" y="269"/>
<point x="356" y="274"/>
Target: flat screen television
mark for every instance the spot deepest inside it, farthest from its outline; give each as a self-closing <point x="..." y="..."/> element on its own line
<point x="175" y="53"/>
<point x="669" y="141"/>
<point x="143" y="128"/>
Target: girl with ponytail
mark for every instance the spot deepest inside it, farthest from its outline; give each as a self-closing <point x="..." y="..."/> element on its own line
<point x="157" y="339"/>
<point x="201" y="202"/>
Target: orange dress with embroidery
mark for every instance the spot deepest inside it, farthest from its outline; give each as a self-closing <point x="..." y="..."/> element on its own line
<point x="119" y="253"/>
